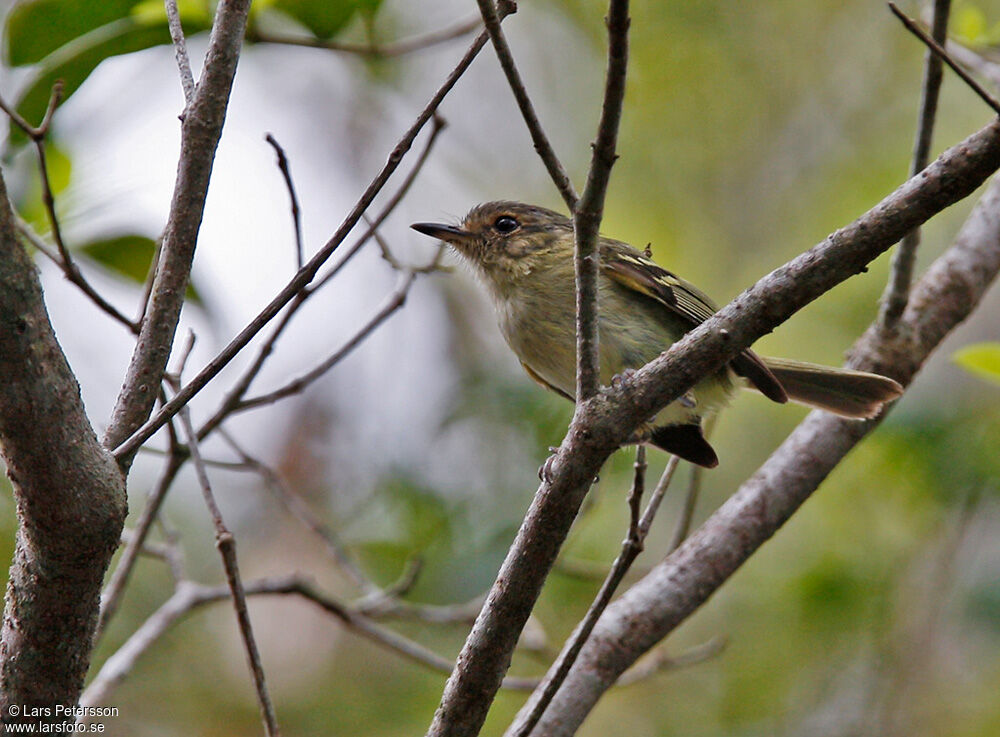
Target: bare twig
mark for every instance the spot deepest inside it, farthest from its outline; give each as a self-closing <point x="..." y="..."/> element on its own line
<point x="910" y="649"/>
<point x="240" y="387"/>
<point x="286" y="173"/>
<point x="590" y="208"/>
<point x="438" y="124"/>
<point x="112" y="594"/>
<point x="934" y="46"/>
<point x="684" y="519"/>
<point x="180" y="50"/>
<point x="28" y="233"/>
<point x="128" y="446"/>
<point x="64" y="260"/>
<point x="658" y="661"/>
<point x="901" y="275"/>
<point x="376" y="602"/>
<point x="398" y="48"/>
<point x="297" y="507"/>
<point x="226" y="544"/>
<point x="392" y="303"/>
<point x="189" y="596"/>
<point x="542" y="145"/>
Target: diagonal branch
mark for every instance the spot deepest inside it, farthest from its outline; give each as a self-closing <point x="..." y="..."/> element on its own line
<point x="606" y="421"/>
<point x="541" y="141"/>
<point x="200" y="133"/>
<point x="654" y="606"/>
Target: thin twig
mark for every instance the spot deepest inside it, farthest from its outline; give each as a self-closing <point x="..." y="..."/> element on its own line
<point x="934" y="46"/>
<point x="189" y="596"/>
<point x="226" y="544"/>
<point x="29" y="234"/>
<point x="386" y="252"/>
<point x="111" y="596"/>
<point x="398" y="48"/>
<point x="683" y="525"/>
<point x="297" y="507"/>
<point x="180" y="50"/>
<point x="898" y="289"/>
<point x="64" y="260"/>
<point x="296" y="215"/>
<point x="393" y="303"/>
<point x="128" y="446"/>
<point x="387" y="638"/>
<point x="658" y="661"/>
<point x="590" y="208"/>
<point x="240" y="387"/>
<point x="376" y="602"/>
<point x="542" y="145"/>
<point x="438" y="124"/>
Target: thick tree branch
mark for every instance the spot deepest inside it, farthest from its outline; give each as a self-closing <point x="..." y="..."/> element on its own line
<point x="654" y="606"/>
<point x="70" y="498"/>
<point x="200" y="133"/>
<point x="609" y="419"/>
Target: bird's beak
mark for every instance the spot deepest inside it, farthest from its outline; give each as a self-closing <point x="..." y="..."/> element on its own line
<point x="447" y="233"/>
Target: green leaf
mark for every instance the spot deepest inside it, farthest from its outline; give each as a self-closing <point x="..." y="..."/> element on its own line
<point x="980" y="359"/>
<point x="969" y="23"/>
<point x="126" y="255"/>
<point x="36" y="28"/>
<point x="74" y="61"/>
<point x="324" y="18"/>
<point x="129" y="256"/>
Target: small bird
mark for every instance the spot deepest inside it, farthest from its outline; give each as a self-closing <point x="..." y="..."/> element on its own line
<point x="523" y="255"/>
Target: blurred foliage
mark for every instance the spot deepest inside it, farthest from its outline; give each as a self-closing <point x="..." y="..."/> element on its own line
<point x="982" y="360"/>
<point x="751" y="131"/>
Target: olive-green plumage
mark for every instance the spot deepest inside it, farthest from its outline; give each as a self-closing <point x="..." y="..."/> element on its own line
<point x="524" y="256"/>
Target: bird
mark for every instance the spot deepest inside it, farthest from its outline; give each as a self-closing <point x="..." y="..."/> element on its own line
<point x="523" y="255"/>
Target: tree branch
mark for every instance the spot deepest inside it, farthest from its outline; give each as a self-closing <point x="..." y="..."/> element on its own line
<point x="379" y="50"/>
<point x="200" y="133"/>
<point x="903" y="261"/>
<point x="70" y="497"/>
<point x="609" y="419"/>
<point x="590" y="208"/>
<point x="542" y="145"/>
<point x="654" y="606"/>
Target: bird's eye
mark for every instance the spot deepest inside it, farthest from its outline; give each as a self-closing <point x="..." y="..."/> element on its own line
<point x="505" y="224"/>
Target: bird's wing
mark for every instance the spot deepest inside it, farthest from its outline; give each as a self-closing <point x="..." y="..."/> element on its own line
<point x="632" y="269"/>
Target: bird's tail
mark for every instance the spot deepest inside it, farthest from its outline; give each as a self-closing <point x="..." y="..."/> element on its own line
<point x="844" y="392"/>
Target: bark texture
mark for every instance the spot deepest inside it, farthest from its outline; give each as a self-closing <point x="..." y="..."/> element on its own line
<point x="70" y="498"/>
